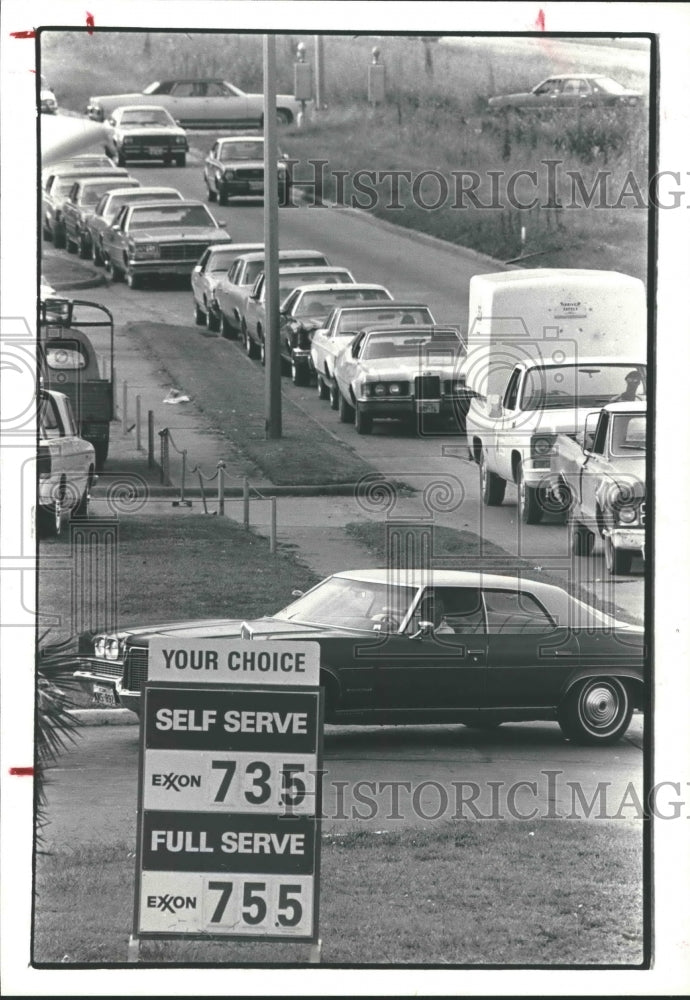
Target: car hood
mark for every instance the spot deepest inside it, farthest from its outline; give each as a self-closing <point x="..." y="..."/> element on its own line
<point x="168" y="234"/>
<point x="223" y="628"/>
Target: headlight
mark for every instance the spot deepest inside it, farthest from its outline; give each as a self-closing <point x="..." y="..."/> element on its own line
<point x="112" y="648"/>
<point x="542" y="445"/>
<point x="99" y="646"/>
<point x="627" y="515"/>
<point x="229" y="174"/>
<point x="179" y="139"/>
<point x="143" y="250"/>
<point x="394" y="389"/>
<point x="380" y="389"/>
<point x="128" y="140"/>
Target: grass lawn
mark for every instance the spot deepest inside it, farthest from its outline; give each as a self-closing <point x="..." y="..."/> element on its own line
<point x="471" y="893"/>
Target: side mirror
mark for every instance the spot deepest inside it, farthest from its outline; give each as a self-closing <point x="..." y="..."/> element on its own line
<point x="115" y="228"/>
<point x="197" y="268"/>
<point x="494" y="405"/>
<point x="591" y="422"/>
<point x="423" y="629"/>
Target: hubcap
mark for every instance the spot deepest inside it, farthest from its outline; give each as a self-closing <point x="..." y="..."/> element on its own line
<point x="600" y="706"/>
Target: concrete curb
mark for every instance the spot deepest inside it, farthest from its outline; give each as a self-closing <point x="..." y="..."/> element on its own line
<point x="96" y="281"/>
<point x="237" y="492"/>
<point x="105" y="717"/>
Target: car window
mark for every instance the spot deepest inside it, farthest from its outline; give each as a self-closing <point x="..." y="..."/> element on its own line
<point x="511" y="394"/>
<point x="170" y="215"/>
<point x="67" y="355"/>
<point x="571" y="87"/>
<point x="347" y="603"/>
<point x="146" y="116"/>
<point x="216" y="89"/>
<point x="628" y="435"/>
<point x="220" y="260"/>
<point x="565" y="386"/>
<point x="515" y="611"/>
<point x="101" y="205"/>
<point x="253" y="150"/>
<point x="451" y="610"/>
<point x="189" y="88"/>
<point x="49" y="422"/>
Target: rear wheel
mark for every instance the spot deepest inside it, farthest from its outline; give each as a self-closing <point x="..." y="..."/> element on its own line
<point x="210" y="193"/>
<point x="72" y="245"/>
<point x="345" y="411"/>
<point x="199" y="315"/>
<point x="213" y="321"/>
<point x="82" y="507"/>
<point x="300" y="372"/>
<point x="333" y="395"/>
<point x="112" y="270"/>
<point x="96" y="256"/>
<point x="84" y="247"/>
<point x="59" y="236"/>
<point x="528" y="501"/>
<point x="181" y="160"/>
<point x="249" y="345"/>
<point x="596" y="711"/>
<point x="50" y="518"/>
<point x="226" y="330"/>
<point x="618" y="561"/>
<point x="493" y="488"/>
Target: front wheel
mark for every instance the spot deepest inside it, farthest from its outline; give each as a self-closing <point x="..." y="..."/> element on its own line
<point x="59" y="237"/>
<point x="618" y="561"/>
<point x="133" y="279"/>
<point x="249" y="345"/>
<point x="84" y="247"/>
<point x="333" y="395"/>
<point x="345" y="411"/>
<point x="321" y="387"/>
<point x="363" y="421"/>
<point x="596" y="712"/>
<point x="300" y="373"/>
<point x="112" y="270"/>
<point x="181" y="160"/>
<point x="96" y="255"/>
<point x="528" y="501"/>
<point x="213" y="321"/>
<point x="226" y="330"/>
<point x="493" y="488"/>
<point x="199" y="315"/>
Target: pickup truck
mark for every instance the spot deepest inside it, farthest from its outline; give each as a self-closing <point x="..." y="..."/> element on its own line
<point x="70" y="364"/>
<point x="512" y="437"/>
<point x="233" y="290"/>
<point x="66" y="464"/>
<point x="253" y="324"/>
<point x="604" y="476"/>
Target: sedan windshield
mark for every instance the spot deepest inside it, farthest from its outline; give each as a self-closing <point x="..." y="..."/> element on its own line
<point x="241" y="151"/>
<point x="557" y="387"/>
<point x="170" y="215"/>
<point x="159" y="116"/>
<point x="344" y="603"/>
<point x="353" y="320"/>
<point x="437" y="350"/>
<point x="321" y="302"/>
<point x="607" y="85"/>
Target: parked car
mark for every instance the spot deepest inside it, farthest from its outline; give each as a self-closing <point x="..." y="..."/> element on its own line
<point x="79" y="162"/>
<point x="232" y="290"/>
<point x="570" y="90"/>
<point x="341" y="326"/>
<point x="200" y="103"/>
<point x="80" y="205"/>
<point x="254" y="318"/>
<point x="110" y="204"/>
<point x="56" y="184"/>
<point x="401" y="373"/>
<point x="214" y="278"/>
<point x="66" y="464"/>
<point x="49" y="104"/>
<point x="234" y="167"/>
<point x="69" y="362"/>
<point x="603" y="474"/>
<point x="432" y="646"/>
<point x="159" y="238"/>
<point x="305" y="310"/>
<point x="145" y="132"/>
<point x="214" y="263"/>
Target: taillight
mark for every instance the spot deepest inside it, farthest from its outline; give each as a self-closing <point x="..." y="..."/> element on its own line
<point x="44" y="461"/>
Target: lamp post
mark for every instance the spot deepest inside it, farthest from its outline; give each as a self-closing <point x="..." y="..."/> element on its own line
<point x="272" y="332"/>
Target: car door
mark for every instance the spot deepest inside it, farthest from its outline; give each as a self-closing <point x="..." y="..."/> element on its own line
<point x="530" y="655"/>
<point x="225" y="105"/>
<point x="503" y="429"/>
<point x="442" y="669"/>
<point x="114" y="238"/>
<point x="588" y="478"/>
<point x="186" y="101"/>
<point x="346" y="365"/>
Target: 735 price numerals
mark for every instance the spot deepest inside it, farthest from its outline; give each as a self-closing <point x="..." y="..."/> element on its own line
<point x="261" y="784"/>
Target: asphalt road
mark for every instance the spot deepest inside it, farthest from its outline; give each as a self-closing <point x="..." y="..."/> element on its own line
<point x="382" y="778"/>
<point x="412" y="267"/>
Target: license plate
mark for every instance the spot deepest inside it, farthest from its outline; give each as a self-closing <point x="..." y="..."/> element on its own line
<point x="155" y="150"/>
<point x="256" y="185"/>
<point x="428" y="405"/>
<point x="103" y="696"/>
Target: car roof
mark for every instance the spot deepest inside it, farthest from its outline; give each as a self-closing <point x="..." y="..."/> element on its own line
<point x="385" y="304"/>
<point x="141" y="191"/>
<point x="240" y="138"/>
<point x="315" y="269"/>
<point x="78" y="172"/>
<point x="177" y="204"/>
<point x="414" y="329"/>
<point x="635" y="406"/>
<point x="282" y="255"/>
<point x="326" y="287"/>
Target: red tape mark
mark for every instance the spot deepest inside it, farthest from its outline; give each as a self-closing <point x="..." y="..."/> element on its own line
<point x="22" y="34"/>
<point x="90" y="23"/>
<point x="540" y="22"/>
<point x="22" y="772"/>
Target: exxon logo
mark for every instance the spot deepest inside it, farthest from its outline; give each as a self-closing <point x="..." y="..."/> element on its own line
<point x="171" y="904"/>
<point x="176" y="782"/>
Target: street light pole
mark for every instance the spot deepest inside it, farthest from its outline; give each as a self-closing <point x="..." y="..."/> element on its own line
<point x="272" y="331"/>
<point x="320" y="73"/>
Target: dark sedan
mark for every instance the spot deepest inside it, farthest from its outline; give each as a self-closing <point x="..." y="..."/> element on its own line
<point x="234" y="168"/>
<point x="573" y="90"/>
<point x="423" y="646"/>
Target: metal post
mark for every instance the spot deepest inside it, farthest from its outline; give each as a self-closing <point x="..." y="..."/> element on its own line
<point x="133" y="949"/>
<point x="138" y="423"/>
<point x="165" y="456"/>
<point x="320" y="73"/>
<point x="273" y="362"/>
<point x="245" y="505"/>
<point x="124" y="409"/>
<point x="315" y="953"/>
<point x="221" y="488"/>
<point x="151" y="440"/>
<point x="182" y="502"/>
<point x="274" y="519"/>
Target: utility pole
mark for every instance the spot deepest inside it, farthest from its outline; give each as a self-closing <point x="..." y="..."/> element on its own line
<point x="272" y="332"/>
<point x="320" y="67"/>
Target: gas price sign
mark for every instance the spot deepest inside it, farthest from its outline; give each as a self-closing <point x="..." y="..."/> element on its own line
<point x="229" y="790"/>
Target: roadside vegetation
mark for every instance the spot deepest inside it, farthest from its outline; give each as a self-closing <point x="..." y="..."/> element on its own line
<point x="435" y="118"/>
<point x="464" y="893"/>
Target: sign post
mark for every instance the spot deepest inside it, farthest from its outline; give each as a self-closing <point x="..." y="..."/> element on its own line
<point x="228" y="839"/>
